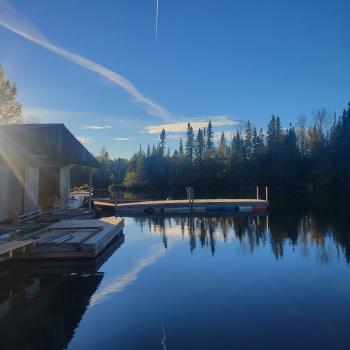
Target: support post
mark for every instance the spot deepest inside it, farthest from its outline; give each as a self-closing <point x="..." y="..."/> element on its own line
<point x="257" y="192"/>
<point x="90" y="189"/>
<point x="64" y="183"/>
<point x="266" y="194"/>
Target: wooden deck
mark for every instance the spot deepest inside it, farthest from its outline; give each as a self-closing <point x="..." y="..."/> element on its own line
<point x="67" y="239"/>
<point x="197" y="206"/>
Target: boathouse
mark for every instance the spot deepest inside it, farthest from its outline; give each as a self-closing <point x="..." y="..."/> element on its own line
<point x="35" y="161"/>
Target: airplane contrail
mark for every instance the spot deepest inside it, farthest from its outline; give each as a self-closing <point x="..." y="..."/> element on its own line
<point x="157" y="16"/>
<point x="9" y="20"/>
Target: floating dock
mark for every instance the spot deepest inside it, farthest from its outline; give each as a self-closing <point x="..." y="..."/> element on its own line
<point x="195" y="206"/>
<point x="66" y="239"/>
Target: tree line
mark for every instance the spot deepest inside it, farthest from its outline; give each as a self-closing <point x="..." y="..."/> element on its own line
<point x="314" y="155"/>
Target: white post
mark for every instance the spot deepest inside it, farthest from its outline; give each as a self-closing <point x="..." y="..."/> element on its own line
<point x="266" y="194"/>
<point x="257" y="192"/>
<point x="90" y="189"/>
<point x="31" y="189"/>
<point x="64" y="186"/>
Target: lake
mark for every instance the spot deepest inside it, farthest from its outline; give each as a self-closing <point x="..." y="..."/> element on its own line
<point x="218" y="282"/>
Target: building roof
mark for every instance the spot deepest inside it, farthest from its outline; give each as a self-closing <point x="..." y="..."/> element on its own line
<point x="43" y="145"/>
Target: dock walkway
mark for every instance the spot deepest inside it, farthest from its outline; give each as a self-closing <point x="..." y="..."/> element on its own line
<point x="195" y="206"/>
<point x="66" y="239"/>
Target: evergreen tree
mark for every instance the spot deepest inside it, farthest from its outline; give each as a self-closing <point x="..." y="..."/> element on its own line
<point x="199" y="146"/>
<point x="210" y="148"/>
<point x="279" y="131"/>
<point x="271" y="133"/>
<point x="181" y="148"/>
<point x="162" y="142"/>
<point x="189" y="142"/>
<point x="248" y="136"/>
<point x="154" y="151"/>
<point x="237" y="147"/>
<point x="274" y="134"/>
<point x="258" y="143"/>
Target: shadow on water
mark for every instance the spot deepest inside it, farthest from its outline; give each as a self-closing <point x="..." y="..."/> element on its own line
<point x="42" y="302"/>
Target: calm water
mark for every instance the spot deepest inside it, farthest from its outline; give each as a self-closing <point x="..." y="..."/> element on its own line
<point x="281" y="282"/>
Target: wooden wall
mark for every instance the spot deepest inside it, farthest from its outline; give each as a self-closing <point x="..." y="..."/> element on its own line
<point x="11" y="191"/>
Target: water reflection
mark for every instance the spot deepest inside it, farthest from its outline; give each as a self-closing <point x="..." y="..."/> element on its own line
<point x="295" y="229"/>
<point x="42" y="311"/>
<point x="249" y="281"/>
<point x="42" y="302"/>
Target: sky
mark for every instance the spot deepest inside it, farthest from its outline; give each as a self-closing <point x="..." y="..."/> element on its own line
<point x="115" y="76"/>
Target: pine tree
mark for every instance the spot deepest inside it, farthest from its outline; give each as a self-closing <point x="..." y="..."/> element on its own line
<point x="237" y="147"/>
<point x="162" y="142"/>
<point x="199" y="146"/>
<point x="189" y="142"/>
<point x="181" y="148"/>
<point x="279" y="131"/>
<point x="154" y="151"/>
<point x="248" y="136"/>
<point x="258" y="143"/>
<point x="209" y="141"/>
<point x="274" y="134"/>
<point x="271" y="133"/>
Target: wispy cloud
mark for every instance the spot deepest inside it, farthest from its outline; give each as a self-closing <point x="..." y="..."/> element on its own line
<point x="96" y="127"/>
<point x="12" y="21"/>
<point x="196" y="123"/>
<point x="85" y="139"/>
<point x="54" y="115"/>
<point x="122" y="138"/>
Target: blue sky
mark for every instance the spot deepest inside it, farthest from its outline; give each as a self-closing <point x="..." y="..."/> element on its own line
<point x="230" y="60"/>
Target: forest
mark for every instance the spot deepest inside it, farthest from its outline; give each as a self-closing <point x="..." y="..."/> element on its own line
<point x="310" y="156"/>
<point x="307" y="155"/>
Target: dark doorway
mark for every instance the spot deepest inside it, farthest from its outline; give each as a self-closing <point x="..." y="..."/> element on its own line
<point x="49" y="188"/>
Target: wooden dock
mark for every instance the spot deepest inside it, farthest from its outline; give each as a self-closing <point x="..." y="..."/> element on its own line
<point x="66" y="239"/>
<point x="196" y="206"/>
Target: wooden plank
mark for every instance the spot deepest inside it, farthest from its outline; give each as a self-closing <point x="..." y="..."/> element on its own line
<point x="12" y="245"/>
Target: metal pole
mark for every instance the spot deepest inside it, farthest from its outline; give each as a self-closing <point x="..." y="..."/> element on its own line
<point x="90" y="190"/>
<point x="257" y="192"/>
<point x="266" y="194"/>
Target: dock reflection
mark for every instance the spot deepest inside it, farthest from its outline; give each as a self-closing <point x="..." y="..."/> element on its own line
<point x="42" y="303"/>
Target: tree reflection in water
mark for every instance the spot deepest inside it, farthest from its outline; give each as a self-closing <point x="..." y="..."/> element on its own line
<point x="325" y="230"/>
